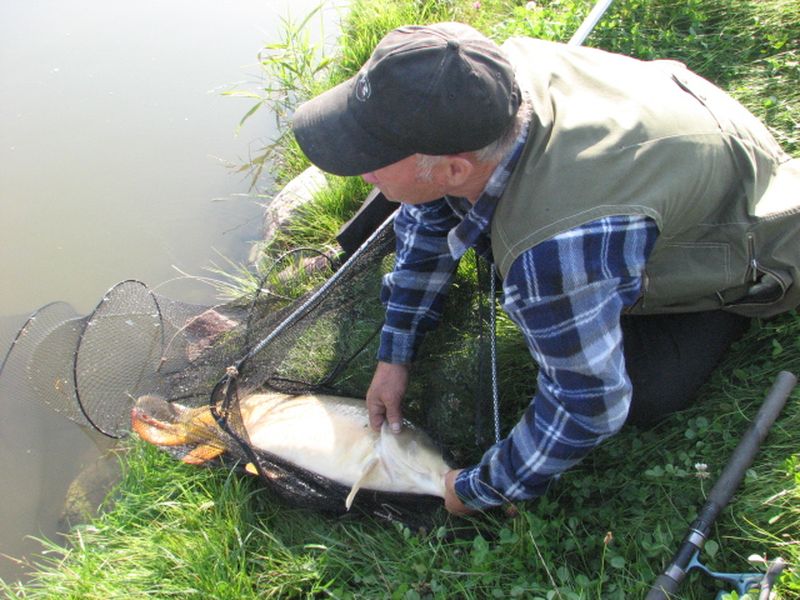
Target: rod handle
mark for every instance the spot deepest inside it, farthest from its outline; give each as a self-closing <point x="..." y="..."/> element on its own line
<point x="667" y="583"/>
<point x="664" y="588"/>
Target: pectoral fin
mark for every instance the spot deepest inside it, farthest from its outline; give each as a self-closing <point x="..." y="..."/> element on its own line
<point x="371" y="463"/>
<point x="202" y="453"/>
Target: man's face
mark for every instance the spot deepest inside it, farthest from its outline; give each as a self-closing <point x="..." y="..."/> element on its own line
<point x="400" y="182"/>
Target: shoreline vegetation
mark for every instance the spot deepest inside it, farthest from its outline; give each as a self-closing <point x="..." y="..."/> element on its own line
<point x="607" y="528"/>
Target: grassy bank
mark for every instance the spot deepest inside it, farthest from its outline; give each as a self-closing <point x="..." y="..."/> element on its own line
<point x="607" y="527"/>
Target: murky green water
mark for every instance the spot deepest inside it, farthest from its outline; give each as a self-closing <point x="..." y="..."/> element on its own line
<point x="113" y="145"/>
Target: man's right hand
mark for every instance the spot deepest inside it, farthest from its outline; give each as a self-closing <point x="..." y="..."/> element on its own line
<point x="385" y="395"/>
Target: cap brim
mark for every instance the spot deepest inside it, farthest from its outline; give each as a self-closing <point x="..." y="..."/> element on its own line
<point x="331" y="138"/>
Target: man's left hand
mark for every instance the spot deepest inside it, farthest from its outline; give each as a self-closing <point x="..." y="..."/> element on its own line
<point x="451" y="500"/>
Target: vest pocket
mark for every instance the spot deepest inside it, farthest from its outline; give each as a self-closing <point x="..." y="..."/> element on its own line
<point x="687" y="276"/>
<point x="770" y="288"/>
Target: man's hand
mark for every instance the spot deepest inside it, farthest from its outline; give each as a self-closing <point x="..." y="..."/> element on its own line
<point x="451" y="500"/>
<point x="385" y="396"/>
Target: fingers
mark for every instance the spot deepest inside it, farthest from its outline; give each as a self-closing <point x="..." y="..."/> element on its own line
<point x="394" y="415"/>
<point x="377" y="413"/>
<point x="382" y="408"/>
<point x="385" y="396"/>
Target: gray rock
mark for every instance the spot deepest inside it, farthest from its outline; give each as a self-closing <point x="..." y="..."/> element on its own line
<point x="283" y="206"/>
<point x="90" y="489"/>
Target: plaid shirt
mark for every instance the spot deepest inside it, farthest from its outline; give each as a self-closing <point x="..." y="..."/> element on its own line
<point x="565" y="294"/>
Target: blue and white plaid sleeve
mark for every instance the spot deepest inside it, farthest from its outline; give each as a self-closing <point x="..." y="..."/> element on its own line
<point x="414" y="291"/>
<point x="566" y="295"/>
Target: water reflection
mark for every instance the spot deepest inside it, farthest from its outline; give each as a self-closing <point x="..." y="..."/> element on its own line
<point x="112" y="141"/>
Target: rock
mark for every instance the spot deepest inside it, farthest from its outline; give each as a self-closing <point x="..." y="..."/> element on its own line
<point x="283" y="206"/>
<point x="203" y="330"/>
<point x="89" y="490"/>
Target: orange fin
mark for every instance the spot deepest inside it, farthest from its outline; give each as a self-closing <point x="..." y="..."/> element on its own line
<point x="202" y="453"/>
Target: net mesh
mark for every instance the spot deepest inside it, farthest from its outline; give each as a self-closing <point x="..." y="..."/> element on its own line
<point x="135" y="342"/>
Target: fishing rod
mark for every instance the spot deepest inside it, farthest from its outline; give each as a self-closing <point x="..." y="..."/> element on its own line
<point x="687" y="556"/>
<point x="589" y="23"/>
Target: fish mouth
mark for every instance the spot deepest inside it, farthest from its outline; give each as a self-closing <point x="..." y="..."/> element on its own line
<point x="157" y="421"/>
<point x="189" y="434"/>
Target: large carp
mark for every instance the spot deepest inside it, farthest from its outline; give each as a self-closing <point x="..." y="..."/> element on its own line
<point x="326" y="435"/>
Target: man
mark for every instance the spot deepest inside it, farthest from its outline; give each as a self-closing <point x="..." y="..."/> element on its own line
<point x="636" y="214"/>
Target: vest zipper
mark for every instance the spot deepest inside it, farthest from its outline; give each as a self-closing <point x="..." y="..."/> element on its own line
<point x="763" y="276"/>
<point x="751" y="250"/>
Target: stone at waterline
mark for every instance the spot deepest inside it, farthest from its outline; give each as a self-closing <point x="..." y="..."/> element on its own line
<point x="283" y="207"/>
<point x="90" y="489"/>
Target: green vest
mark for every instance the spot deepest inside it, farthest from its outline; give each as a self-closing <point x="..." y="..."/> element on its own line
<point x="611" y="135"/>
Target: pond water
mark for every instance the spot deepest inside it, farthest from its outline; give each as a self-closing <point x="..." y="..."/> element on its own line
<point x="114" y="141"/>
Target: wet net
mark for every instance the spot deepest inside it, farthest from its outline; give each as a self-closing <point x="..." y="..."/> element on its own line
<point x="92" y="368"/>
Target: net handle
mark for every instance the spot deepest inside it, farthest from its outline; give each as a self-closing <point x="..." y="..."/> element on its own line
<point x="314" y="298"/>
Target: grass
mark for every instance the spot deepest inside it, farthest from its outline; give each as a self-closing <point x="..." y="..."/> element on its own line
<point x="607" y="527"/>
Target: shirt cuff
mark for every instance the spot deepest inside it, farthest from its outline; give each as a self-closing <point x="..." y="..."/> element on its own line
<point x="398" y="347"/>
<point x="474" y="491"/>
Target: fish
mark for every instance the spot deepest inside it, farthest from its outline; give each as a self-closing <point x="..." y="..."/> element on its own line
<point x="326" y="435"/>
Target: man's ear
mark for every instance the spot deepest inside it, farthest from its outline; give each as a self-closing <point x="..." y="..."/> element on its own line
<point x="458" y="170"/>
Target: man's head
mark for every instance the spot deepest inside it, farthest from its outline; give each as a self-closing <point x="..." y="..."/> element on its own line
<point x="442" y="89"/>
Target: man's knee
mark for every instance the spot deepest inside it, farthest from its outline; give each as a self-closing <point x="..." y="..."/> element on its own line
<point x="668" y="358"/>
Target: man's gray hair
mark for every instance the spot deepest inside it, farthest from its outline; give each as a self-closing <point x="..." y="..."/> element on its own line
<point x="494" y="152"/>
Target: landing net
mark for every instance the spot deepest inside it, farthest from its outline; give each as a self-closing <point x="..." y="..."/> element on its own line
<point x="92" y="368"/>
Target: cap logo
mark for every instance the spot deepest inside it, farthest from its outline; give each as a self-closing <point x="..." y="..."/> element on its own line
<point x="363" y="88"/>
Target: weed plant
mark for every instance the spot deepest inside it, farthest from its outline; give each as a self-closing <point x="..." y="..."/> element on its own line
<point x="606" y="528"/>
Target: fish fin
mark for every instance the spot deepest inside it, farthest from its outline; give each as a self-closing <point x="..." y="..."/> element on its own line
<point x="251" y="468"/>
<point x="202" y="453"/>
<point x="368" y="467"/>
<point x="412" y="463"/>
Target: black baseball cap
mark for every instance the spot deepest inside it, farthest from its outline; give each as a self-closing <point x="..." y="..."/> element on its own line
<point x="435" y="89"/>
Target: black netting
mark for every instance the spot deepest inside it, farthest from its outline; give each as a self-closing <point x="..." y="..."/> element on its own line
<point x="36" y="364"/>
<point x="129" y="314"/>
<point x="136" y="343"/>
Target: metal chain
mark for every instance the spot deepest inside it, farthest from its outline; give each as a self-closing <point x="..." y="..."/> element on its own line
<point x="493" y="351"/>
<point x="577" y="39"/>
